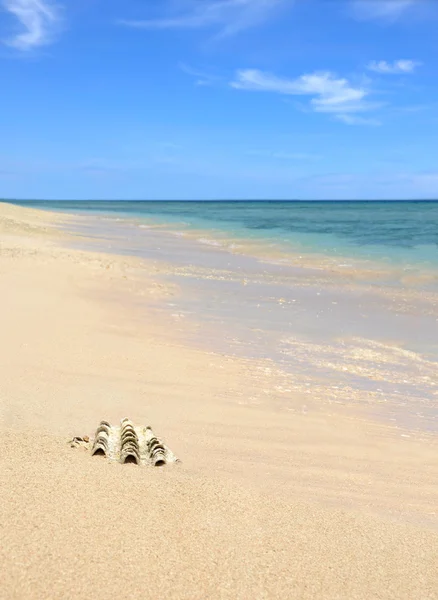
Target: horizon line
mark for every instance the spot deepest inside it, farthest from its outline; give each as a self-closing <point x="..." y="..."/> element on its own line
<point x="291" y="200"/>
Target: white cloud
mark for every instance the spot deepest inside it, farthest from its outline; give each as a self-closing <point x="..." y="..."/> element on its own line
<point x="38" y="18"/>
<point x="331" y="94"/>
<point x="394" y="68"/>
<point x="231" y="16"/>
<point x="356" y="120"/>
<point x="387" y="10"/>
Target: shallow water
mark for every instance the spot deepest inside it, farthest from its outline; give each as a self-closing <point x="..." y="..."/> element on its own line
<point x="359" y="330"/>
<point x="346" y="342"/>
<point x="394" y="233"/>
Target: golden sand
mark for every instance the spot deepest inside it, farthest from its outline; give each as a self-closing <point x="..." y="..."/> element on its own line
<point x="267" y="503"/>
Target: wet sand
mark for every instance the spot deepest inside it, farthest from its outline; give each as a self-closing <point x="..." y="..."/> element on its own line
<point x="356" y="338"/>
<point x="267" y="503"/>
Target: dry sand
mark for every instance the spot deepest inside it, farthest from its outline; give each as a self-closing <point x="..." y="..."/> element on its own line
<point x="266" y="504"/>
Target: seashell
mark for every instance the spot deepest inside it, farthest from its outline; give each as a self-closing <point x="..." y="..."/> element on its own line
<point x="129" y="456"/>
<point x="156" y="449"/>
<point x="127" y="429"/>
<point x="129" y="440"/>
<point x="129" y="448"/>
<point x="127" y="444"/>
<point x="100" y="448"/>
<point x="101" y="439"/>
<point x="103" y="428"/>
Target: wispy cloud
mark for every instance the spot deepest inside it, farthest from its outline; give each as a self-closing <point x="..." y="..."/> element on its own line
<point x="386" y="10"/>
<point x="357" y="120"/>
<point x="201" y="78"/>
<point x="397" y="67"/>
<point x="230" y="16"/>
<point x="331" y="94"/>
<point x="415" y="108"/>
<point x="39" y="19"/>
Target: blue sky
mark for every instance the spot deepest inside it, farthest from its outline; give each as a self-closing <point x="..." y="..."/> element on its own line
<point x="194" y="99"/>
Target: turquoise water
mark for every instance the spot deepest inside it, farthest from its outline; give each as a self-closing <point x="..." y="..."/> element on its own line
<point x="335" y="337"/>
<point x="404" y="233"/>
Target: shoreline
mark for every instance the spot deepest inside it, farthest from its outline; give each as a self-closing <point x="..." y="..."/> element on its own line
<point x="356" y="345"/>
<point x="318" y="262"/>
<point x="265" y="504"/>
<point x="309" y="266"/>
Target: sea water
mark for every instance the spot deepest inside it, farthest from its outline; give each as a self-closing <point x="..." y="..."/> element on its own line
<point x="404" y="232"/>
<point x="340" y="297"/>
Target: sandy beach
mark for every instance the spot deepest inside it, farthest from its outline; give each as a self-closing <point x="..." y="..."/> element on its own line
<point x="265" y="503"/>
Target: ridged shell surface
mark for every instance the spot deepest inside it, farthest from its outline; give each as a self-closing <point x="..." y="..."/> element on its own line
<point x="129" y="443"/>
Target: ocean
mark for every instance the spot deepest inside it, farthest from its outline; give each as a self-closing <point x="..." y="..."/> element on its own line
<point x="404" y="232"/>
<point x="339" y="298"/>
